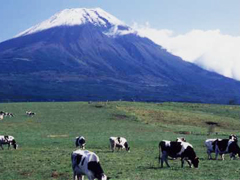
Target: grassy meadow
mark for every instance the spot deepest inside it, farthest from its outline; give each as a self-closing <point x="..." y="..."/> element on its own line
<point x="47" y="139"/>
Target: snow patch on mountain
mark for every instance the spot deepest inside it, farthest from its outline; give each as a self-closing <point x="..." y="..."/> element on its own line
<point x="78" y="16"/>
<point x="120" y="31"/>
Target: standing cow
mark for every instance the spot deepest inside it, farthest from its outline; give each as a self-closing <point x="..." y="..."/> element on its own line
<point x="223" y="146"/>
<point x="80" y="142"/>
<point x="175" y="149"/>
<point x="86" y="163"/>
<point x="119" y="143"/>
<point x="9" y="140"/>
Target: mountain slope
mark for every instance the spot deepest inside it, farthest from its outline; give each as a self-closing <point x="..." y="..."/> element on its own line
<point x="100" y="58"/>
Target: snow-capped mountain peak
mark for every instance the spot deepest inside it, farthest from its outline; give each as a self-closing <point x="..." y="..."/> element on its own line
<point x="77" y="16"/>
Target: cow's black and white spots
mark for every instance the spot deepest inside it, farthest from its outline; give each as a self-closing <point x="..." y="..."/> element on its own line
<point x="9" y="114"/>
<point x="5" y="114"/>
<point x="30" y="113"/>
<point x="181" y="139"/>
<point x="8" y="140"/>
<point x="86" y="163"/>
<point x="80" y="142"/>
<point x="222" y="146"/>
<point x="175" y="149"/>
<point x="119" y="143"/>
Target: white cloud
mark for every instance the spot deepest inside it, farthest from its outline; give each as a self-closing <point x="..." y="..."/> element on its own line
<point x="210" y="49"/>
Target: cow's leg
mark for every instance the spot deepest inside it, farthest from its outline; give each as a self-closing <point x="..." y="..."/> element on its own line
<point x="1" y="146"/>
<point x="164" y="158"/>
<point x="209" y="154"/>
<point x="222" y="156"/>
<point x="182" y="162"/>
<point x="232" y="156"/>
<point x="189" y="163"/>
<point x="8" y="146"/>
<point x="74" y="176"/>
<point x="216" y="155"/>
<point x="81" y="177"/>
<point x="166" y="161"/>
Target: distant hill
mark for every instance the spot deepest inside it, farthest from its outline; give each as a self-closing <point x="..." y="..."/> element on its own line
<point x="88" y="54"/>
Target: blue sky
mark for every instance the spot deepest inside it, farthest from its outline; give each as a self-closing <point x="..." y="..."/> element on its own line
<point x="180" y="16"/>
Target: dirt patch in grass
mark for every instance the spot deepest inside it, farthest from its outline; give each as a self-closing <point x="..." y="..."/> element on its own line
<point x="183" y="132"/>
<point x="120" y="116"/>
<point x="212" y="123"/>
<point x="56" y="175"/>
<point x="98" y="106"/>
<point x="57" y="136"/>
<point x="26" y="173"/>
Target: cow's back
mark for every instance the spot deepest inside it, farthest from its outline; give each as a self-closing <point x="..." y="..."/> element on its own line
<point x="171" y="147"/>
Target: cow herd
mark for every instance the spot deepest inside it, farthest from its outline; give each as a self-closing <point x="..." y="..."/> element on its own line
<point x="8" y="114"/>
<point x="87" y="163"/>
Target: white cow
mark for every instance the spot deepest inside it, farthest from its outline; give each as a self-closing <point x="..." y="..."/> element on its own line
<point x="9" y="140"/>
<point x="119" y="143"/>
<point x="86" y="163"/>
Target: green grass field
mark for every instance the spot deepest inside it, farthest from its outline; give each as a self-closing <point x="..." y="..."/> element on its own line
<point x="47" y="139"/>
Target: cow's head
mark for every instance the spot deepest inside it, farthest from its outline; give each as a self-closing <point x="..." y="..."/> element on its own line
<point x="233" y="137"/>
<point x="104" y="177"/>
<point x="181" y="139"/>
<point x="14" y="144"/>
<point x="127" y="147"/>
<point x="195" y="162"/>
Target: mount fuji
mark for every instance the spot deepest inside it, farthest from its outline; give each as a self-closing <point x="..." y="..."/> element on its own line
<point x="88" y="54"/>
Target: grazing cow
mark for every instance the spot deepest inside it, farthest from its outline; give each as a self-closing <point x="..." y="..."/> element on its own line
<point x="30" y="113"/>
<point x="80" y="141"/>
<point x="223" y="146"/>
<point x="119" y="143"/>
<point x="9" y="140"/>
<point x="177" y="149"/>
<point x="8" y="114"/>
<point x="86" y="163"/>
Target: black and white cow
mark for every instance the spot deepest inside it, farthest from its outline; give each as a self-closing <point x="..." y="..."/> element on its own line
<point x="119" y="143"/>
<point x="223" y="146"/>
<point x="9" y="114"/>
<point x="5" y="114"/>
<point x="9" y="140"/>
<point x="30" y="113"/>
<point x="175" y="149"/>
<point x="86" y="163"/>
<point x="80" y="142"/>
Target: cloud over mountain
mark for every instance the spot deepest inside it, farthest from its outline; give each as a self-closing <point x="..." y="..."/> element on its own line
<point x="210" y="49"/>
